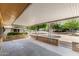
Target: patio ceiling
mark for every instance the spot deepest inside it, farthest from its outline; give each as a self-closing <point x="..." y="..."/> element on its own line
<point x="46" y="12"/>
<point x="10" y="11"/>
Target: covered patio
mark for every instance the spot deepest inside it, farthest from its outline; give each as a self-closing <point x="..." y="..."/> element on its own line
<point x="39" y="29"/>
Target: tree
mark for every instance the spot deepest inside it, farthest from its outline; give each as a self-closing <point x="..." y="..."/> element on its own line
<point x="57" y="27"/>
<point x="38" y="26"/>
<point x="71" y="25"/>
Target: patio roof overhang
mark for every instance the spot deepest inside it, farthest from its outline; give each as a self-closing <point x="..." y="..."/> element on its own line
<point x="45" y="12"/>
<point x="9" y="12"/>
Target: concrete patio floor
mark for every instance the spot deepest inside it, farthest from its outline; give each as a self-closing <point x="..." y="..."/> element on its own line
<point x="31" y="47"/>
<point x="24" y="48"/>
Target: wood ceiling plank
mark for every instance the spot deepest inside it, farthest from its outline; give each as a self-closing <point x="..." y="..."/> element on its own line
<point x="11" y="10"/>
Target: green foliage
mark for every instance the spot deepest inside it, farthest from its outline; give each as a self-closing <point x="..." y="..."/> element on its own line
<point x="42" y="26"/>
<point x="15" y="33"/>
<point x="71" y="25"/>
<point x="38" y="26"/>
<point x="32" y="27"/>
<point x="57" y="27"/>
<point x="67" y="26"/>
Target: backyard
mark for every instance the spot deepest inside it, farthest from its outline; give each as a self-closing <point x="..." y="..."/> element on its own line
<point x="65" y="32"/>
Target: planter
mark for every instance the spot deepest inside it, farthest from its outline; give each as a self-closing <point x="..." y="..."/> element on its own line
<point x="75" y="46"/>
<point x="14" y="37"/>
<point x="46" y="40"/>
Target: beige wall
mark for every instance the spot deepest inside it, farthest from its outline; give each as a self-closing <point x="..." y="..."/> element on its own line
<point x="38" y="13"/>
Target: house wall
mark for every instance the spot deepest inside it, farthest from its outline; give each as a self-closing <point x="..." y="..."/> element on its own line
<point x="7" y="30"/>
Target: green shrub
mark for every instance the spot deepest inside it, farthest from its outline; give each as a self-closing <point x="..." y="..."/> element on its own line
<point x="15" y="33"/>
